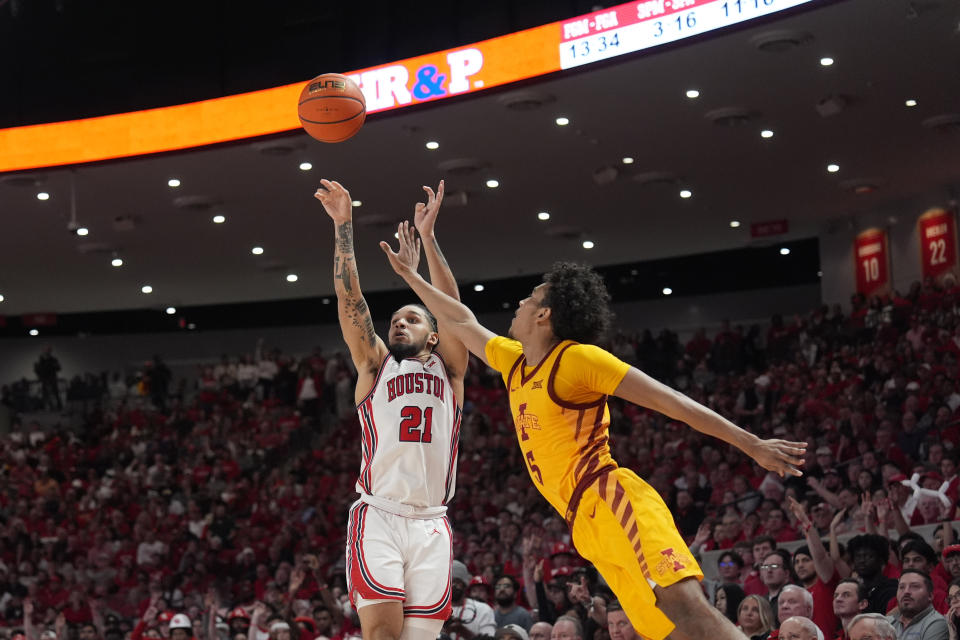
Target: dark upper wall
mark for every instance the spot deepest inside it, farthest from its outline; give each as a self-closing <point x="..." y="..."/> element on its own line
<point x="66" y="59"/>
<point x="183" y="351"/>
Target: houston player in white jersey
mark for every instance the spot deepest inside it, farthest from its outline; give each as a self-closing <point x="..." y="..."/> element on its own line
<point x="409" y="393"/>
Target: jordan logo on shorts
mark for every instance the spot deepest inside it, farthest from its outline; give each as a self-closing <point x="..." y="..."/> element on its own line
<point x="435" y="530"/>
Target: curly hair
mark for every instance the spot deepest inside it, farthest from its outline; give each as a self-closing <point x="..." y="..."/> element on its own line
<point x="578" y="302"/>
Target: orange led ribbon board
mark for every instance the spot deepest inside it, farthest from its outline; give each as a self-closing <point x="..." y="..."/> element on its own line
<point x="601" y="35"/>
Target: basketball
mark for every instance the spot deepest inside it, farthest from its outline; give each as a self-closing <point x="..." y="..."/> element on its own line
<point x="332" y="108"/>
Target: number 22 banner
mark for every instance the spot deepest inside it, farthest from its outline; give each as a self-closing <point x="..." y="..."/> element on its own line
<point x="938" y="246"/>
<point x="871" y="255"/>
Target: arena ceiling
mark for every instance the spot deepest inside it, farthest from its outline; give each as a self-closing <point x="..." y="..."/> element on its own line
<point x="893" y="159"/>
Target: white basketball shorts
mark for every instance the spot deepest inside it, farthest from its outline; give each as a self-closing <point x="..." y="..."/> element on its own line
<point x="391" y="557"/>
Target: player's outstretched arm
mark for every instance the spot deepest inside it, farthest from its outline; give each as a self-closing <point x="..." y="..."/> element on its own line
<point x="441" y="275"/>
<point x="780" y="456"/>
<point x="366" y="348"/>
<point x="455" y="316"/>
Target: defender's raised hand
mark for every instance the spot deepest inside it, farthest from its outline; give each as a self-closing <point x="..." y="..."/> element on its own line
<point x="780" y="456"/>
<point x="425" y="215"/>
<point x="335" y="200"/>
<point x="405" y="260"/>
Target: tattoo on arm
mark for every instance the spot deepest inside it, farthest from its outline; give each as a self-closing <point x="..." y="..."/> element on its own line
<point x="436" y="246"/>
<point x="363" y="314"/>
<point x="343" y="271"/>
<point x="345" y="238"/>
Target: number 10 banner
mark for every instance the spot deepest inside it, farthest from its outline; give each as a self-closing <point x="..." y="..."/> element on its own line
<point x="871" y="255"/>
<point x="938" y="246"/>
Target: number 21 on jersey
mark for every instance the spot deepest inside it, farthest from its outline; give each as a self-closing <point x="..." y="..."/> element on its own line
<point x="416" y="424"/>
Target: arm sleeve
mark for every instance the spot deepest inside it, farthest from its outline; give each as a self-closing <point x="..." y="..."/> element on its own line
<point x="138" y="630"/>
<point x="586" y="368"/>
<point x="502" y="353"/>
<point x="545" y="610"/>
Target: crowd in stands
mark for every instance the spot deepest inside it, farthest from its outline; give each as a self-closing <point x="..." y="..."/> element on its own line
<point x="218" y="512"/>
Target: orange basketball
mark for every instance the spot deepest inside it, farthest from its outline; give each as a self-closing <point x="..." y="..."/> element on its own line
<point x="332" y="108"/>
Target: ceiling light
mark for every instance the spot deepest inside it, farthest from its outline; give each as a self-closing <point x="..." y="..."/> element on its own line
<point x="627" y="160"/>
<point x="667" y="291"/>
<point x="911" y="102"/>
<point x="146" y="288"/>
<point x="173" y="182"/>
<point x="191" y="326"/>
<point x="257" y="251"/>
<point x="433" y="145"/>
<point x="305" y="166"/>
<point x="43" y="195"/>
<point x="686" y="193"/>
<point x="693" y="93"/>
<point x="34" y="332"/>
<point x="292" y="277"/>
<point x="505" y="305"/>
<point x="833" y="168"/>
<point x="171" y="311"/>
<point x="826" y="62"/>
<point x="325" y="301"/>
<point x="478" y="287"/>
<point x="734" y="223"/>
<point x="563" y="121"/>
<point x="766" y="133"/>
<point x="1" y="297"/>
<point x="83" y="231"/>
<point x="117" y="262"/>
<point x="588" y="244"/>
<point x="356" y="203"/>
<point x="219" y="219"/>
<point x="543" y="215"/>
<point x="784" y="251"/>
<point x="819" y="274"/>
<point x="493" y="184"/>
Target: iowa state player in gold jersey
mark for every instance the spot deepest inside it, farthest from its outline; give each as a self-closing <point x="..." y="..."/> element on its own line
<point x="558" y="388"/>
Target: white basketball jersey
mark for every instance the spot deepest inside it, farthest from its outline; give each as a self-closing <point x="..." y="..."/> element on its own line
<point x="411" y="433"/>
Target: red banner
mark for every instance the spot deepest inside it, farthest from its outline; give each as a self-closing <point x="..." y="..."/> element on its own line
<point x="938" y="245"/>
<point x="769" y="228"/>
<point x="39" y="319"/>
<point x="871" y="261"/>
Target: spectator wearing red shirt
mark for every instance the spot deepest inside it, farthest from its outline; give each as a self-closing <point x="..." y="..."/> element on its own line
<point x="776" y="526"/>
<point x="721" y="482"/>
<point x="761" y="547"/>
<point x="948" y="469"/>
<point x="885" y="445"/>
<point x="951" y="560"/>
<point x="699" y="346"/>
<point x="815" y="569"/>
<point x="77" y="611"/>
<point x="749" y="578"/>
